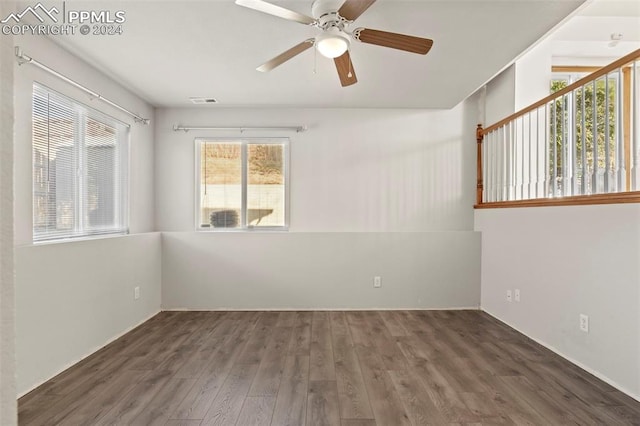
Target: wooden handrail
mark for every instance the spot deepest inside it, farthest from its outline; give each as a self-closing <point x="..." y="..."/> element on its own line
<point x="593" y="76"/>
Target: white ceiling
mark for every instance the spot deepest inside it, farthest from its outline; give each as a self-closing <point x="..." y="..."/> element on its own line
<point x="171" y="50"/>
<point x="584" y="38"/>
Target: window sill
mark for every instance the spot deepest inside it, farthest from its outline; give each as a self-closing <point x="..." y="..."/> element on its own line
<point x="250" y="229"/>
<point x="580" y="200"/>
<point x="84" y="238"/>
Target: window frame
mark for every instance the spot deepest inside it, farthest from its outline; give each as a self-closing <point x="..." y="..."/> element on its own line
<point x="244" y="142"/>
<point x="122" y="145"/>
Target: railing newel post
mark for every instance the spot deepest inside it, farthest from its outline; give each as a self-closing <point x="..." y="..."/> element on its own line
<point x="479" y="182"/>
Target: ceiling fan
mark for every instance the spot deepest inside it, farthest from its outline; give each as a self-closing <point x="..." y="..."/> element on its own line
<point x="333" y="17"/>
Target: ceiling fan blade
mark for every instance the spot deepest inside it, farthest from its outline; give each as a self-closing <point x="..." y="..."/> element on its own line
<point x="285" y="56"/>
<point x="393" y="40"/>
<point x="351" y="9"/>
<point x="272" y="9"/>
<point x="345" y="69"/>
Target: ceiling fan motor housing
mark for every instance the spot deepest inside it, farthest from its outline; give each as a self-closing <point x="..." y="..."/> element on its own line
<point x="326" y="12"/>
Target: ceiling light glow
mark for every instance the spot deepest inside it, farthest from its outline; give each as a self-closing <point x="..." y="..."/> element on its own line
<point x="332" y="44"/>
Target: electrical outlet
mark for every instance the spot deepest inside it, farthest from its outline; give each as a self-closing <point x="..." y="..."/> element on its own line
<point x="516" y="294"/>
<point x="509" y="296"/>
<point x="136" y="293"/>
<point x="584" y="323"/>
<point x="377" y="282"/>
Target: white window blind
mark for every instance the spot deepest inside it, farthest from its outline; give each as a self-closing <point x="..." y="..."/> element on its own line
<point x="80" y="169"/>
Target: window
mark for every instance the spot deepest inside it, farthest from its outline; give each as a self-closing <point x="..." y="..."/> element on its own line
<point x="579" y="145"/>
<point x="80" y="169"/>
<point x="593" y="166"/>
<point x="242" y="184"/>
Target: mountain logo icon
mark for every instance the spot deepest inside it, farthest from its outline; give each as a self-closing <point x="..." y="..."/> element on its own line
<point x="38" y="11"/>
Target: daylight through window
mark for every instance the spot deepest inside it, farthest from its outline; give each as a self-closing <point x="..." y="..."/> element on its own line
<point x="80" y="169"/>
<point x="242" y="184"/>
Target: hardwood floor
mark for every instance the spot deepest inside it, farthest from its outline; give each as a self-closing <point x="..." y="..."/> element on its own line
<point x="325" y="368"/>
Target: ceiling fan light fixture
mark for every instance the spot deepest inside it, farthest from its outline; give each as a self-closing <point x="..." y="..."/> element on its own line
<point x="332" y="44"/>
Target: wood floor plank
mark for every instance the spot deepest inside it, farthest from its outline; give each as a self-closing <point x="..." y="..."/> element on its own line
<point x="133" y="403"/>
<point x="393" y="322"/>
<point x="322" y="366"/>
<point x="257" y="343"/>
<point x="149" y="357"/>
<point x="183" y="422"/>
<point x="385" y="402"/>
<point x="385" y="343"/>
<point x="197" y="402"/>
<point x="413" y="395"/>
<point x="257" y="411"/>
<point x="352" y="393"/>
<point x="291" y="403"/>
<point x="164" y="402"/>
<point x="484" y="406"/>
<point x="322" y="404"/>
<point x="443" y="395"/>
<point x="79" y="395"/>
<point x="35" y="406"/>
<point x="358" y="422"/>
<point x="301" y="338"/>
<point x="267" y="379"/>
<point x="359" y="329"/>
<point x="227" y="405"/>
<point x="366" y="368"/>
<point x="94" y="409"/>
<point x="68" y="380"/>
<point x="286" y="319"/>
<point x="415" y="350"/>
<point x="206" y="347"/>
<point x="296" y="367"/>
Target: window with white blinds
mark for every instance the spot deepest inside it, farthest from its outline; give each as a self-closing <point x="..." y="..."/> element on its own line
<point x="80" y="169"/>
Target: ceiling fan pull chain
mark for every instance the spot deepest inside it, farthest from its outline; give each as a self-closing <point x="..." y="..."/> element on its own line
<point x="350" y="74"/>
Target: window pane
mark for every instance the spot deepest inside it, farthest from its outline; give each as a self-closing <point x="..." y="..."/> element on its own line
<point x="79" y="169"/>
<point x="265" y="185"/>
<point x="101" y="189"/>
<point x="220" y="184"/>
<point x="54" y="163"/>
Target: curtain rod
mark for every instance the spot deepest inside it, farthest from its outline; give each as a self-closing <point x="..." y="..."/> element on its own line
<point x="297" y="129"/>
<point x="26" y="59"/>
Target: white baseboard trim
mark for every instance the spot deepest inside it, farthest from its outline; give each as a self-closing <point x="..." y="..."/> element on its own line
<point x="571" y="360"/>
<point x="469" y="308"/>
<point x="91" y="352"/>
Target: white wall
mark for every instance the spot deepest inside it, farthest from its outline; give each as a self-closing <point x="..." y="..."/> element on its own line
<point x="8" y="406"/>
<point x="353" y="170"/>
<point x="521" y="84"/>
<point x="371" y="193"/>
<point x="320" y="270"/>
<point x="72" y="298"/>
<point x="567" y="261"/>
<point x="533" y="75"/>
<point x="500" y="96"/>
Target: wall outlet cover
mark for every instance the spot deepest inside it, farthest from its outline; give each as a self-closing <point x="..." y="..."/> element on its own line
<point x="584" y="323"/>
